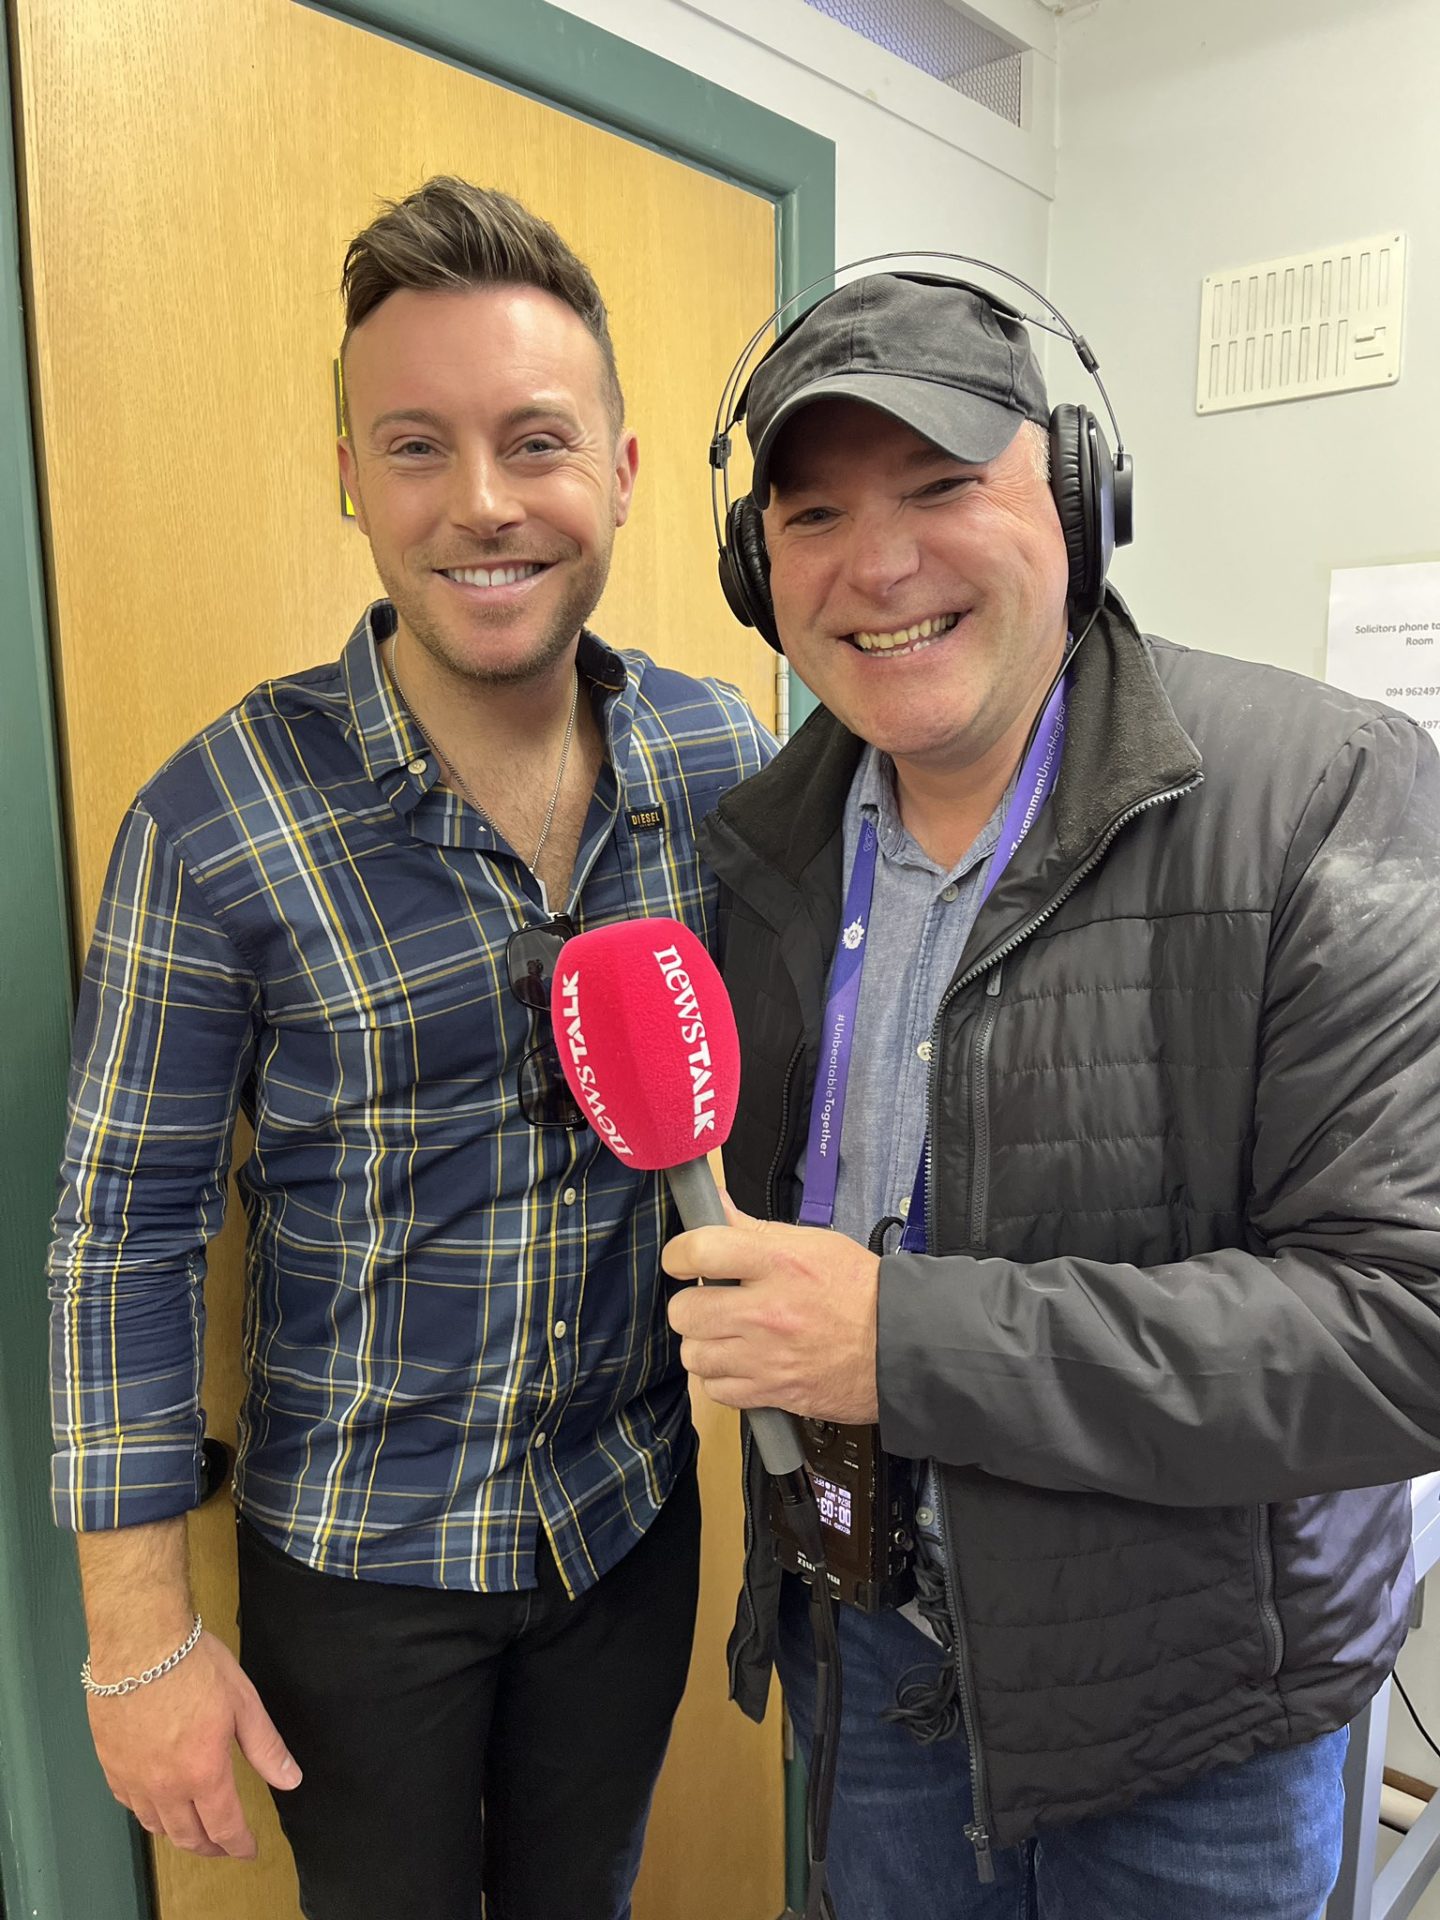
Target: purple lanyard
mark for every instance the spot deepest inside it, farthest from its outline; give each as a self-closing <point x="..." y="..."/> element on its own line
<point x="827" y="1112"/>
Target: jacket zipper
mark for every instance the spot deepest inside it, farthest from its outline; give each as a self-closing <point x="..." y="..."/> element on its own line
<point x="771" y="1197"/>
<point x="1264" y="1553"/>
<point x="978" y="1831"/>
<point x="1003" y="953"/>
<point x="980" y="1109"/>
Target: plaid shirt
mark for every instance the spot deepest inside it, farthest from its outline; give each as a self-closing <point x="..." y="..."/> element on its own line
<point x="455" y="1326"/>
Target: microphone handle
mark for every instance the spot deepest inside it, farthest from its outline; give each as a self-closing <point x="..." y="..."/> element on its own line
<point x="695" y="1193"/>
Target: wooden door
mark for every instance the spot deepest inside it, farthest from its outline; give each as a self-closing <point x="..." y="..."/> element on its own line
<point x="191" y="176"/>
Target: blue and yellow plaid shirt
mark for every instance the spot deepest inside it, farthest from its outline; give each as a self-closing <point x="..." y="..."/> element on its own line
<point x="455" y="1328"/>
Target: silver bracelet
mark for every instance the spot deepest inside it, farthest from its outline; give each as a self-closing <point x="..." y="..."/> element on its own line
<point x="137" y="1680"/>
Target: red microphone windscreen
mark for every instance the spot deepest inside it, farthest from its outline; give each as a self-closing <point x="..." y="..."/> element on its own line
<point x="647" y="1039"/>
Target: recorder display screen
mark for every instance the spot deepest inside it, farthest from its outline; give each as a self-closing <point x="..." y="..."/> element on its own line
<point x="836" y="1504"/>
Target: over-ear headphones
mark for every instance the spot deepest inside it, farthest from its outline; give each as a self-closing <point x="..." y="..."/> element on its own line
<point x="1093" y="491"/>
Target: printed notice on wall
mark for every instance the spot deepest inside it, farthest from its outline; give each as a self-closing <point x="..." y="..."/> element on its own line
<point x="1385" y="636"/>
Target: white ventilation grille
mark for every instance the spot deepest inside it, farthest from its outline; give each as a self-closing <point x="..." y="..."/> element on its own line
<point x="1310" y="324"/>
<point x="942" y="41"/>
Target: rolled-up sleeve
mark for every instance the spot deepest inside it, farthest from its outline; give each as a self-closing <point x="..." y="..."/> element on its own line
<point x="164" y="1042"/>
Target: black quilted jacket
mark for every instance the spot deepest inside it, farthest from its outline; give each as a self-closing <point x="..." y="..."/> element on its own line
<point x="1179" y="1336"/>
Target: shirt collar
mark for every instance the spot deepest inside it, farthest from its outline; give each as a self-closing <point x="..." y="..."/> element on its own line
<point x="874" y="792"/>
<point x="384" y="731"/>
<point x="875" y="796"/>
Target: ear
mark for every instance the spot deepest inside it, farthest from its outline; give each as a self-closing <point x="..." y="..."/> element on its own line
<point x="349" y="469"/>
<point x="627" y="465"/>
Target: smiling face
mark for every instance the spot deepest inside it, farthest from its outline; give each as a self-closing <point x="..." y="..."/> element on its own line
<point x="921" y="600"/>
<point x="487" y="472"/>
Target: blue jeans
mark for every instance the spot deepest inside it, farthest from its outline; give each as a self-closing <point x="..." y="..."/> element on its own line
<point x="1258" y="1841"/>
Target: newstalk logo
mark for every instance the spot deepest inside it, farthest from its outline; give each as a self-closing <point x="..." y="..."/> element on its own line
<point x="573" y="1036"/>
<point x="692" y="1033"/>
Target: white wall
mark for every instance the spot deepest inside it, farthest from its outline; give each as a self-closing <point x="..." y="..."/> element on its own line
<point x="1196" y="137"/>
<point x="897" y="183"/>
<point x="1201" y="136"/>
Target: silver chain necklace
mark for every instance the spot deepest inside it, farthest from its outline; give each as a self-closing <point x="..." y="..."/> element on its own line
<point x="453" y="775"/>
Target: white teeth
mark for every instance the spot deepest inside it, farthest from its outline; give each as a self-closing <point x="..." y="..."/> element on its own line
<point x="889" y="642"/>
<point x="492" y="576"/>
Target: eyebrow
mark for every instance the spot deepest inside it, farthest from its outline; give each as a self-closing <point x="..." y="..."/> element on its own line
<point x="542" y="410"/>
<point x="517" y="417"/>
<point x="419" y="416"/>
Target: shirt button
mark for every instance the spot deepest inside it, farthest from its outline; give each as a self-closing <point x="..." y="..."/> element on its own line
<point x="925" y="1516"/>
<point x="569" y="1196"/>
<point x="417" y="767"/>
<point x="905" y="1208"/>
<point x="539" y="1439"/>
<point x="924" y="1051"/>
<point x="950" y="893"/>
<point x="560" y="1329"/>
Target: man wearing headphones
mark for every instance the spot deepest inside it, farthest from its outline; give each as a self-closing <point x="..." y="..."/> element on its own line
<point x="1086" y="990"/>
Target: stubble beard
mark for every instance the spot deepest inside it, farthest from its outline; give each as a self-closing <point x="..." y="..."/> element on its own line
<point x="578" y="603"/>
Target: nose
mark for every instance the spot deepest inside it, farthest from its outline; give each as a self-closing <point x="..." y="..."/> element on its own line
<point x="485" y="501"/>
<point x="881" y="554"/>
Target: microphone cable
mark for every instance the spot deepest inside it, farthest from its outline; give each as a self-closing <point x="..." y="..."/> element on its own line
<point x="798" y="1496"/>
<point x="825" y="1746"/>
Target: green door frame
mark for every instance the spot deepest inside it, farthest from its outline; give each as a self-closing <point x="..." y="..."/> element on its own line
<point x="67" y="1852"/>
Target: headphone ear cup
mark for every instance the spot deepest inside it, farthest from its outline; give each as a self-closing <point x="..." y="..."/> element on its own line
<point x="745" y="570"/>
<point x="1082" y="481"/>
<point x="1124" y="499"/>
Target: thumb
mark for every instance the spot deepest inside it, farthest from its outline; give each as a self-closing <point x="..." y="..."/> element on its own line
<point x="261" y="1744"/>
<point x="733" y="1216"/>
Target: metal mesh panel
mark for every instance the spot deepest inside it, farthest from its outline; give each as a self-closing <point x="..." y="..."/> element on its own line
<point x="936" y="38"/>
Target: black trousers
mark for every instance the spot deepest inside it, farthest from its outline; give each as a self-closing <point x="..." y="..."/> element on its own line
<point x="459" y="1742"/>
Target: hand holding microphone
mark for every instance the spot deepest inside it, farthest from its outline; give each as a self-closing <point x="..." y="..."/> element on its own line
<point x="647" y="1041"/>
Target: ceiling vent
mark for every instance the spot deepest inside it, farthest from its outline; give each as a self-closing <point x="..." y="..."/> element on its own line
<point x="943" y="40"/>
<point x="1309" y="324"/>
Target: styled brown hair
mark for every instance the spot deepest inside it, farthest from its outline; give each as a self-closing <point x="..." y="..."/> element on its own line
<point x="449" y="234"/>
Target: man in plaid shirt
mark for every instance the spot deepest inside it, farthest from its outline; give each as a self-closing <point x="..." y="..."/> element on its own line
<point x="466" y="1486"/>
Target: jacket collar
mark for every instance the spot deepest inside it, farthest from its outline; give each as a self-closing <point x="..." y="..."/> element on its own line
<point x="779" y="833"/>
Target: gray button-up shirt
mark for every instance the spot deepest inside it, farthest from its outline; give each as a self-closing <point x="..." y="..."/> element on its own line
<point x="920" y="918"/>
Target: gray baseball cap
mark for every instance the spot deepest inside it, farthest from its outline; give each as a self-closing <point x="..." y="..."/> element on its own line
<point x="946" y="358"/>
